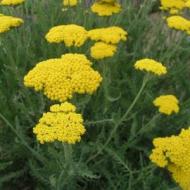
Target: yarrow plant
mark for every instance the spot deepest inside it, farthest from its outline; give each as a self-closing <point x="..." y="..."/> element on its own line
<point x="71" y="35"/>
<point x="167" y="104"/>
<point x="112" y="35"/>
<point x="61" y="124"/>
<point x="11" y="2"/>
<point x="70" y="3"/>
<point x="62" y="77"/>
<point x="174" y="6"/>
<point x="8" y="22"/>
<point x="150" y="65"/>
<point x="179" y="23"/>
<point x="173" y="153"/>
<point x="86" y="87"/>
<point x="106" y="8"/>
<point x="101" y="50"/>
<point x="178" y="20"/>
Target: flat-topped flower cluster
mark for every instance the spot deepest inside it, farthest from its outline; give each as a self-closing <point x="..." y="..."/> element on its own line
<point x="173" y="153"/>
<point x="62" y="77"/>
<point x="176" y="20"/>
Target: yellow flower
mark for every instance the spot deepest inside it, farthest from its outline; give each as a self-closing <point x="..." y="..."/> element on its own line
<point x="102" y="50"/>
<point x="66" y="107"/>
<point x="179" y="23"/>
<point x="71" y="35"/>
<point x="105" y="9"/>
<point x="187" y="4"/>
<point x="7" y="22"/>
<point x="108" y="1"/>
<point x="60" y="124"/>
<point x="167" y="104"/>
<point x="63" y="77"/>
<point x="70" y="3"/>
<point x="151" y="65"/>
<point x="108" y="35"/>
<point x="173" y="153"/>
<point x="173" y="5"/>
<point x="11" y="2"/>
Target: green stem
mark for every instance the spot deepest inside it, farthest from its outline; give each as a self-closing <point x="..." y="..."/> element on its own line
<point x="105" y="85"/>
<point x="69" y="165"/>
<point x="66" y="172"/>
<point x="142" y="130"/>
<point x="123" y="118"/>
<point x="127" y="112"/>
<point x="38" y="156"/>
<point x="134" y="101"/>
<point x="68" y="155"/>
<point x="99" y="122"/>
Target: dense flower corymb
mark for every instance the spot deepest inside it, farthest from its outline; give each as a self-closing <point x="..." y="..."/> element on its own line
<point x="102" y="50"/>
<point x="113" y="34"/>
<point x="71" y="35"/>
<point x="63" y="77"/>
<point x="105" y="9"/>
<point x="70" y="3"/>
<point x="173" y="6"/>
<point x="173" y="153"/>
<point x="167" y="104"/>
<point x="179" y="23"/>
<point x="11" y="2"/>
<point x="151" y="65"/>
<point x="60" y="124"/>
<point x="7" y="22"/>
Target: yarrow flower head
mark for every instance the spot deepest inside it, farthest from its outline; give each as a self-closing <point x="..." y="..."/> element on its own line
<point x="167" y="104"/>
<point x="11" y="2"/>
<point x="63" y="77"/>
<point x="173" y="6"/>
<point x="102" y="50"/>
<point x="62" y="124"/>
<point x="151" y="65"/>
<point x="179" y="23"/>
<point x="173" y="153"/>
<point x="71" y="35"/>
<point x="112" y="35"/>
<point x="105" y="8"/>
<point x="187" y="4"/>
<point x="70" y="3"/>
<point x="8" y="22"/>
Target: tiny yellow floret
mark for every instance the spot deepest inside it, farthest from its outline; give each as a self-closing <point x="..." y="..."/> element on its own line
<point x="60" y="124"/>
<point x="11" y="2"/>
<point x="179" y="23"/>
<point x="8" y="22"/>
<point x="61" y="78"/>
<point x="167" y="104"/>
<point x="71" y="35"/>
<point x="150" y="65"/>
<point x="112" y="35"/>
<point x="105" y="9"/>
<point x="70" y="3"/>
<point x="173" y="153"/>
<point x="101" y="50"/>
